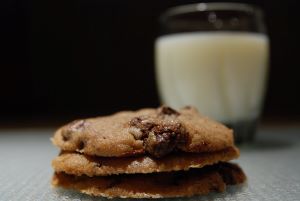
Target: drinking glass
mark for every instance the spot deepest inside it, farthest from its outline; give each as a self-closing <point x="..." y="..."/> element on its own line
<point x="215" y="56"/>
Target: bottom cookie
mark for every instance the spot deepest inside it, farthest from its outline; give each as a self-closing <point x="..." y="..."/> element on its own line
<point x="156" y="185"/>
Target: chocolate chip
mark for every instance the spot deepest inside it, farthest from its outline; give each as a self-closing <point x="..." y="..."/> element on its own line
<point x="66" y="135"/>
<point x="163" y="139"/>
<point x="140" y="126"/>
<point x="143" y="122"/>
<point x="65" y="138"/>
<point x="161" y="134"/>
<point x="81" y="145"/>
<point x="159" y="145"/>
<point x="165" y="110"/>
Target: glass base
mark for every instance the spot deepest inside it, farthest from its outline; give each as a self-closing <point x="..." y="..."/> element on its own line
<point x="244" y="131"/>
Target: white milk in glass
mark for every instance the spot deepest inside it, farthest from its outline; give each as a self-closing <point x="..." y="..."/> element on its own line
<point x="223" y="74"/>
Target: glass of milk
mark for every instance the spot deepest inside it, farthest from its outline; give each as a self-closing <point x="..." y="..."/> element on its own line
<point x="215" y="56"/>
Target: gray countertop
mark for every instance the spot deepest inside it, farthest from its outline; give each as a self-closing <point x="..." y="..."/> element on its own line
<point x="272" y="165"/>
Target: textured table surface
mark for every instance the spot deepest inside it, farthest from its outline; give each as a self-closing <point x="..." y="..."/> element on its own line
<point x="272" y="165"/>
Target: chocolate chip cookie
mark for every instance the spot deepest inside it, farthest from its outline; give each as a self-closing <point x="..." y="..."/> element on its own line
<point x="149" y="153"/>
<point x="79" y="164"/>
<point x="156" y="132"/>
<point x="156" y="185"/>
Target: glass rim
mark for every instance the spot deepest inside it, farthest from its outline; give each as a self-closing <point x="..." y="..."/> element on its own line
<point x="214" y="6"/>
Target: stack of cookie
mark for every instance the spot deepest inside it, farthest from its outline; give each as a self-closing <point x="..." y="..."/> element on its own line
<point x="150" y="153"/>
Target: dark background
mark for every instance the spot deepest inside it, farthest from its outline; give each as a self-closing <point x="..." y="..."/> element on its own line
<point x="65" y="59"/>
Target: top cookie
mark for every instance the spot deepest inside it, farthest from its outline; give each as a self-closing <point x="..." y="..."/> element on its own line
<point x="156" y="132"/>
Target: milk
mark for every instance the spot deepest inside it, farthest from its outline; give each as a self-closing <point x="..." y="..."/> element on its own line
<point x="223" y="74"/>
